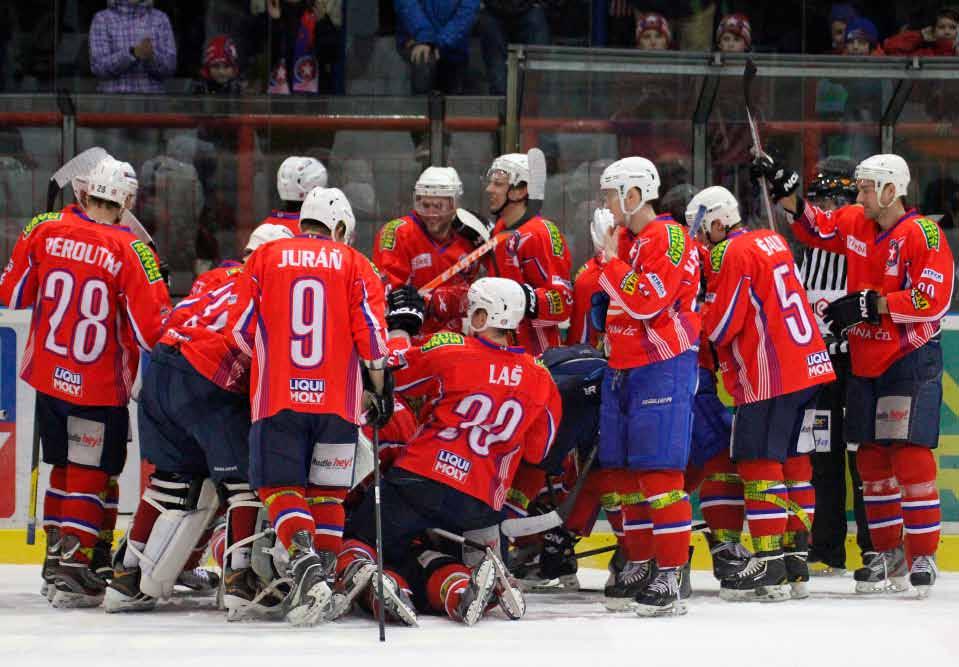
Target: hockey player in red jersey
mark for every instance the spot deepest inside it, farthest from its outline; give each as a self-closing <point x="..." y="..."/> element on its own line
<point x="295" y="179"/>
<point x="97" y="294"/>
<point x="586" y="283"/>
<point x="534" y="254"/>
<point x="900" y="283"/>
<point x="210" y="280"/>
<point x="320" y="342"/>
<point x="652" y="333"/>
<point x="194" y="425"/>
<point x="492" y="406"/>
<point x="412" y="250"/>
<point x="773" y="361"/>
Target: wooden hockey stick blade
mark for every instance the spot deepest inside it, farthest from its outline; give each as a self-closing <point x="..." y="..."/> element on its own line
<point x="461" y="264"/>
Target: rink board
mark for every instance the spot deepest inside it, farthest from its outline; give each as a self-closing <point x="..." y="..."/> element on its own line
<point x="16" y="428"/>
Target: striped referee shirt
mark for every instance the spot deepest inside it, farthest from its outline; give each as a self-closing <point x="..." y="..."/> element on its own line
<point x="824" y="276"/>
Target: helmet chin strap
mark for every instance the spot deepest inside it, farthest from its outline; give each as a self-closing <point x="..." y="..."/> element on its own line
<point x="628" y="213"/>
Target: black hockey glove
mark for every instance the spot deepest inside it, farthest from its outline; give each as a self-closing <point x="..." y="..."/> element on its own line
<point x="852" y="309"/>
<point x="404" y="310"/>
<point x="782" y="180"/>
<point x="598" y="305"/>
<point x="380" y="408"/>
<point x="531" y="305"/>
<point x="556" y="558"/>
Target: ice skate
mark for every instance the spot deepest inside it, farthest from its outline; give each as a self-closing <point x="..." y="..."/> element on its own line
<point x="199" y="580"/>
<point x="475" y="597"/>
<point x="398" y="605"/>
<point x="923" y="574"/>
<point x="508" y="592"/>
<point x="628" y="583"/>
<point x="797" y="569"/>
<point x="311" y="599"/>
<point x="884" y="573"/>
<point x="355" y="580"/>
<point x="76" y="584"/>
<point x="728" y="559"/>
<point x="662" y="597"/>
<point x="762" y="580"/>
<point x="51" y="564"/>
<point x="101" y="561"/>
<point x="123" y="592"/>
<point x="244" y="597"/>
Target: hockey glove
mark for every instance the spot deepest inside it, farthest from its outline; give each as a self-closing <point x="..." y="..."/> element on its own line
<point x="531" y="305"/>
<point x="852" y="309"/>
<point x="472" y="227"/>
<point x="556" y="558"/>
<point x="599" y="304"/>
<point x="404" y="310"/>
<point x="782" y="180"/>
<point x="379" y="404"/>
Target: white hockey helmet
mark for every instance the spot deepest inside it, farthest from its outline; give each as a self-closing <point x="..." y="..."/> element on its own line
<point x="329" y="207"/>
<point x="265" y="233"/>
<point x="713" y="203"/>
<point x="113" y="181"/>
<point x="297" y="176"/>
<point x="503" y="300"/>
<point x="514" y="165"/>
<point x="883" y="169"/>
<point x="599" y="228"/>
<point x="438" y="182"/>
<point x="628" y="173"/>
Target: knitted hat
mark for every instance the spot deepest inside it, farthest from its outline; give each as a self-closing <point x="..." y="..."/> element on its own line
<point x="861" y="28"/>
<point x="737" y="24"/>
<point x="653" y="21"/>
<point x="220" y="50"/>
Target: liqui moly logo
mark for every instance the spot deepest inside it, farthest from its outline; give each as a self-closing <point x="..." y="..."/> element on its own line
<point x="307" y="390"/>
<point x="452" y="465"/>
<point x="67" y="382"/>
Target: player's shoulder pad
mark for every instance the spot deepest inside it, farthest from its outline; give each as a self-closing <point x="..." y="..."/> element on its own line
<point x="717" y="255"/>
<point x="443" y="339"/>
<point x="388" y="234"/>
<point x="40" y="219"/>
<point x="676" y="243"/>
<point x="930" y="231"/>
<point x="557" y="244"/>
<point x="148" y="261"/>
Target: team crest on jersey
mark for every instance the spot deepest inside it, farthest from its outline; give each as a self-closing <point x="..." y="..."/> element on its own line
<point x="512" y="244"/>
<point x="233" y="270"/>
<point x="716" y="256"/>
<point x="555" y="302"/>
<point x="919" y="300"/>
<point x="629" y="282"/>
<point x="148" y="261"/>
<point x="37" y="219"/>
<point x="442" y="339"/>
<point x="388" y="237"/>
<point x="677" y="244"/>
<point x="930" y="231"/>
<point x="555" y="238"/>
<point x="892" y="262"/>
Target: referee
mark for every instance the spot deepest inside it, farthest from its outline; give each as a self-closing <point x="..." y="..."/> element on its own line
<point x="824" y="276"/>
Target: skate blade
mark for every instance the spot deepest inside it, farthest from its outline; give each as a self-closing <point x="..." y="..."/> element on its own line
<point x="799" y="590"/>
<point x="71" y="600"/>
<point x="617" y="604"/>
<point x="395" y="608"/>
<point x="315" y="612"/>
<point x="922" y="592"/>
<point x="512" y="602"/>
<point x="677" y="608"/>
<point x="778" y="593"/>
<point x="485" y="580"/>
<point x="116" y="602"/>
<point x="241" y="609"/>
<point x="890" y="586"/>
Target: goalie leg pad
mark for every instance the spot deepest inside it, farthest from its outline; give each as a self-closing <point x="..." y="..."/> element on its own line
<point x="188" y="507"/>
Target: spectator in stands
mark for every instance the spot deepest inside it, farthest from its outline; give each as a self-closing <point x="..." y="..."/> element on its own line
<point x="938" y="39"/>
<point x="734" y="34"/>
<point x="132" y="49"/>
<point x="307" y="42"/>
<point x="433" y="36"/>
<point x="653" y="33"/>
<point x="862" y="38"/>
<point x="839" y="17"/>
<point x="503" y="22"/>
<point x="220" y="74"/>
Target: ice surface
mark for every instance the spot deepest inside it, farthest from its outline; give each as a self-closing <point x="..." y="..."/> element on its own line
<point x="833" y="627"/>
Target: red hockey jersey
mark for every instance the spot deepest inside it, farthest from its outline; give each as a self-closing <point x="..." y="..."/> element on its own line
<point x="585" y="285"/>
<point x="284" y="219"/>
<point x="319" y="312"/>
<point x="759" y="319"/>
<point x="213" y="332"/>
<point x="406" y="254"/>
<point x="491" y="407"/>
<point x="653" y="315"/>
<point x="210" y="280"/>
<point x="536" y="253"/>
<point x="97" y="293"/>
<point x="910" y="264"/>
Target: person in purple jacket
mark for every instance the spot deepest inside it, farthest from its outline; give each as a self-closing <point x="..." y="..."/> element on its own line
<point x="132" y="49"/>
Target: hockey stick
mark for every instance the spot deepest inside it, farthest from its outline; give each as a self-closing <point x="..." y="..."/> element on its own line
<point x="80" y="165"/>
<point x="378" y="515"/>
<point x="34" y="484"/>
<point x="530" y="525"/>
<point x="537" y="192"/>
<point x="749" y="75"/>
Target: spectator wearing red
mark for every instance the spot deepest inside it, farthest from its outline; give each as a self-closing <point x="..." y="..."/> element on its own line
<point x="840" y="16"/>
<point x="734" y="34"/>
<point x="653" y="32"/>
<point x="938" y="39"/>
<point x="862" y="38"/>
<point x="220" y="74"/>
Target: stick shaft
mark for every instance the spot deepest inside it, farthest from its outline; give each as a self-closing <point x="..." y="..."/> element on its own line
<point x="378" y="515"/>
